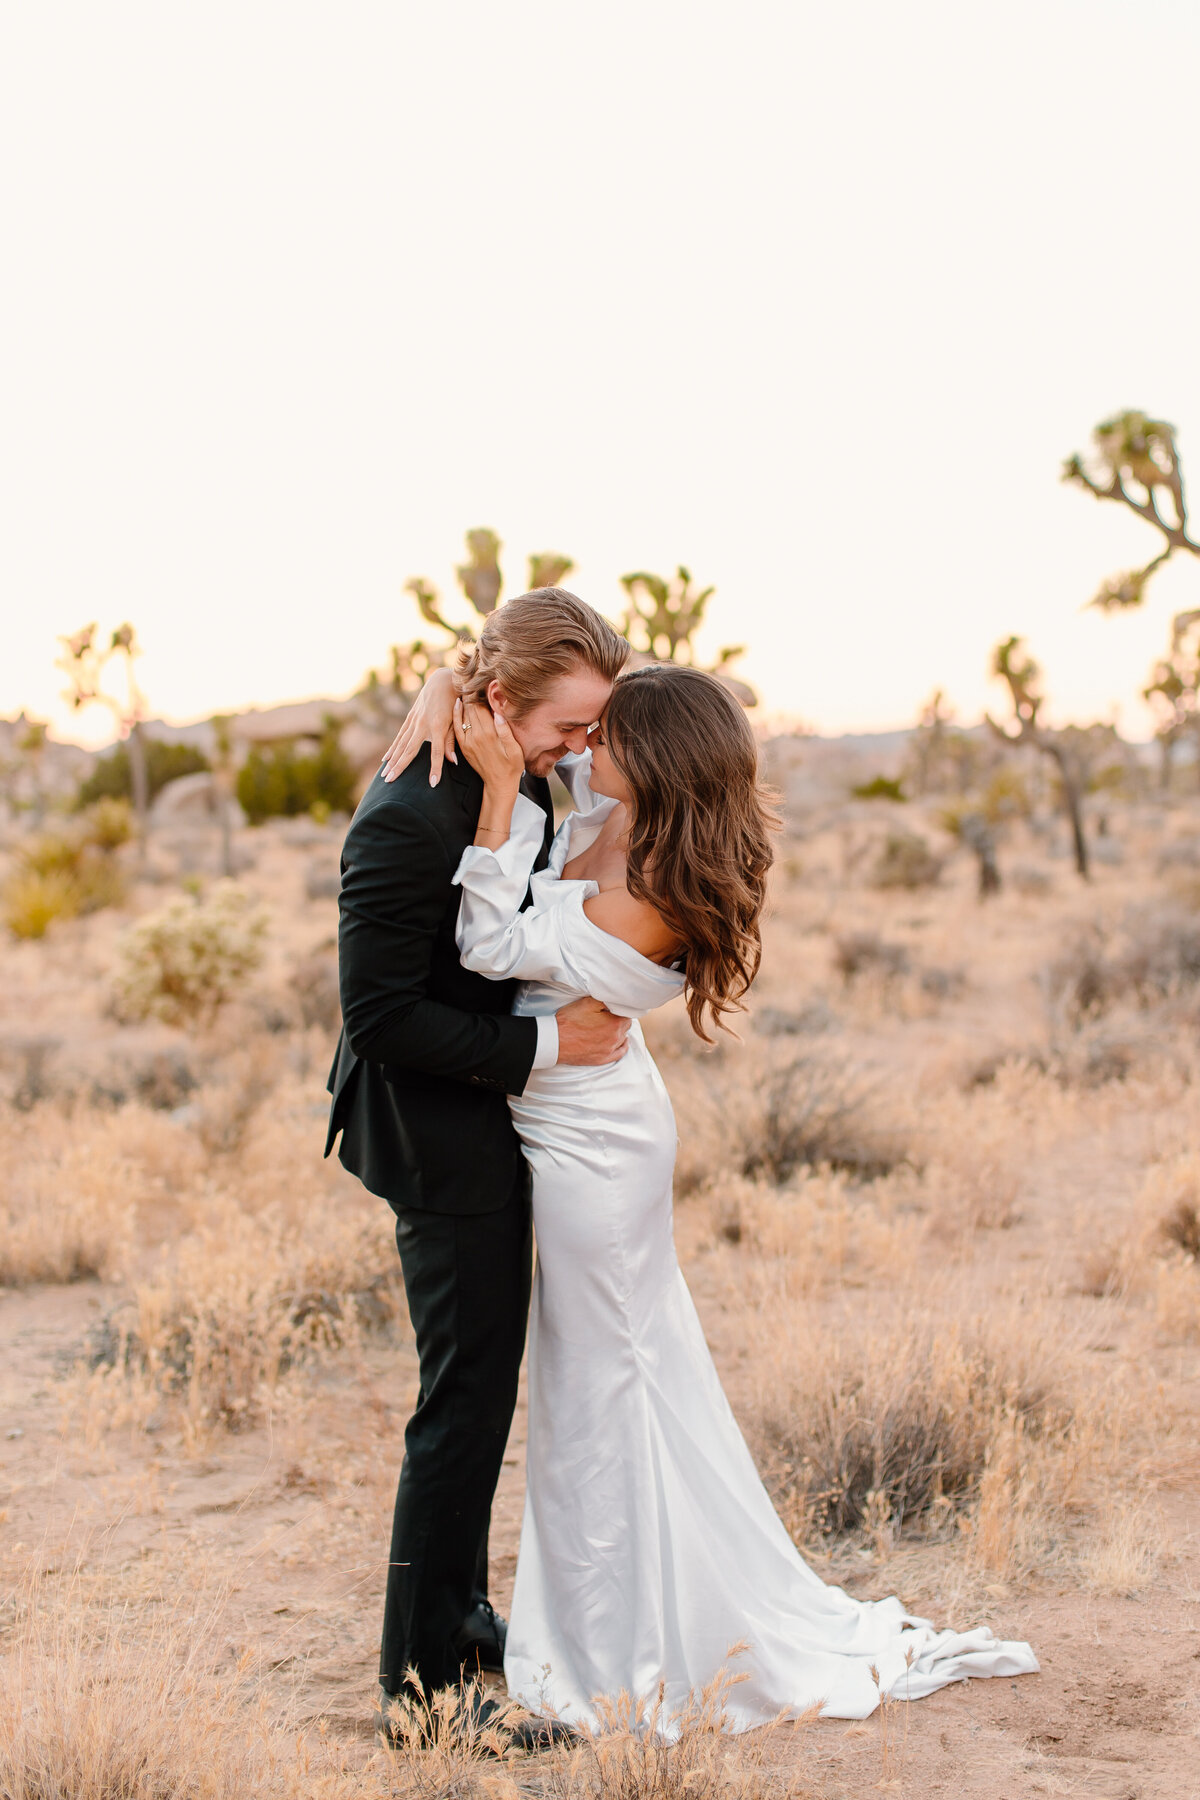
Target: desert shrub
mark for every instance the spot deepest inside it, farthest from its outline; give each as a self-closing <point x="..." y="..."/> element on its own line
<point x="905" y="860"/>
<point x="866" y="953"/>
<point x="60" y="874"/>
<point x="223" y="1110"/>
<point x="283" y="782"/>
<point x="32" y="902"/>
<point x="182" y="963"/>
<point x="108" y="823"/>
<point x="66" y="1213"/>
<point x="245" y="1298"/>
<point x="315" y="985"/>
<point x="1156" y="955"/>
<point x="942" y="984"/>
<point x="896" y="1429"/>
<point x="813" y="1112"/>
<point x="1181" y="1227"/>
<point x="880" y="787"/>
<point x="112" y="778"/>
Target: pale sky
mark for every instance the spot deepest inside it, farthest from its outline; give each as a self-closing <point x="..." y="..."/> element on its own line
<point x="813" y="298"/>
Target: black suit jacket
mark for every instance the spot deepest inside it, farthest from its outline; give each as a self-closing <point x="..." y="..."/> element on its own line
<point x="428" y="1050"/>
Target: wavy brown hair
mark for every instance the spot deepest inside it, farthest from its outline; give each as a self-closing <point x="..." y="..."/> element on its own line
<point x="700" y="825"/>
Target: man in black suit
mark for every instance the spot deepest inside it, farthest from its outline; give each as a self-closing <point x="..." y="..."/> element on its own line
<point x="427" y="1054"/>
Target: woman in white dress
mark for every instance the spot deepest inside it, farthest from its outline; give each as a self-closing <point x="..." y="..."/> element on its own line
<point x="649" y="1545"/>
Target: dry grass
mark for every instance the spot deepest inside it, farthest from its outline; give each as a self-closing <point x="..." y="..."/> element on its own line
<point x="242" y="1300"/>
<point x="645" y="1750"/>
<point x="939" y="1211"/>
<point x="96" y="1706"/>
<point x="908" y="1428"/>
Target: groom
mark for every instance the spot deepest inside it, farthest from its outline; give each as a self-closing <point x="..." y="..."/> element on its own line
<point x="427" y="1054"/>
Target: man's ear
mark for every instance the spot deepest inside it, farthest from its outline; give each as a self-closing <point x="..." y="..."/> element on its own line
<point x="496" y="697"/>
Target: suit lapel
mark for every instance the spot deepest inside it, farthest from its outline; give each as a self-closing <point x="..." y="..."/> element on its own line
<point x="537" y="789"/>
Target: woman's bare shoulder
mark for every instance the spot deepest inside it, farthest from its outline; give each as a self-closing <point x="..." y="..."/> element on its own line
<point x="636" y="923"/>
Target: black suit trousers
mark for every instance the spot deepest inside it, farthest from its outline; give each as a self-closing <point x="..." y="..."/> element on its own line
<point x="467" y="1280"/>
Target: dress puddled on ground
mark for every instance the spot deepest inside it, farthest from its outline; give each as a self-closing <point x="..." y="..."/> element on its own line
<point x="649" y="1545"/>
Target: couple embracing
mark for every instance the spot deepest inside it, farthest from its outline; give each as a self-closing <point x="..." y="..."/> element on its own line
<point x="492" y="1084"/>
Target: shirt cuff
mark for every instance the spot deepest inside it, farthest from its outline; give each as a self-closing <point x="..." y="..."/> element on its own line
<point x="546" y="1054"/>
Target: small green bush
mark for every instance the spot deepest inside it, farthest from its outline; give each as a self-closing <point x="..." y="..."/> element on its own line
<point x="280" y="782"/>
<point x="182" y="963"/>
<point x="112" y="777"/>
<point x="880" y="787"/>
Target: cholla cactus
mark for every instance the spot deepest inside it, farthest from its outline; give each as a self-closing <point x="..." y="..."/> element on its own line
<point x="183" y="963"/>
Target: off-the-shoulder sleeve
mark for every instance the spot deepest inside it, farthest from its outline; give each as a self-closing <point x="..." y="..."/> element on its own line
<point x="574" y="771"/>
<point x="553" y="940"/>
<point x="495" y="938"/>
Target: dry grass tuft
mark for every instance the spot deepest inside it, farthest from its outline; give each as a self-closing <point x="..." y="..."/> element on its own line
<point x="646" y="1750"/>
<point x="92" y="1710"/>
<point x="244" y="1299"/>
<point x="1153" y="956"/>
<point x="434" y="1748"/>
<point x="67" y="1210"/>
<point x="900" y="1428"/>
<point x="1124" y="1554"/>
<point x="815" y="1111"/>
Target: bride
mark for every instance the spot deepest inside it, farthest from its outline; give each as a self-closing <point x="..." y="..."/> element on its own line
<point x="649" y="1545"/>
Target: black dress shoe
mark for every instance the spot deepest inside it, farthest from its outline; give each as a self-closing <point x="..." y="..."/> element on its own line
<point x="408" y="1723"/>
<point x="530" y="1733"/>
<point x="480" y="1641"/>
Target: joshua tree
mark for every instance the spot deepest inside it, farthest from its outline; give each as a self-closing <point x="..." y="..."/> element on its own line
<point x="224" y="783"/>
<point x="1173" y="692"/>
<point x="663" y="616"/>
<point x="1134" y="449"/>
<point x="479" y="577"/>
<point x="429" y="606"/>
<point x="85" y="663"/>
<point x="1023" y="677"/>
<point x="1137" y="464"/>
<point x="31" y="748"/>
<point x="481" y="580"/>
<point x="548" y="568"/>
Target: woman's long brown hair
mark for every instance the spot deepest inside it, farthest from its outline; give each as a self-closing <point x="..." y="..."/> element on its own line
<point x="700" y="825"/>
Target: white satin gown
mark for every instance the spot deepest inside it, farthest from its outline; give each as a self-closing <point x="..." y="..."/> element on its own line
<point x="649" y="1545"/>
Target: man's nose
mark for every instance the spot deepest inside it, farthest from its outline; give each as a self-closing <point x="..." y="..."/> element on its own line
<point x="576" y="741"/>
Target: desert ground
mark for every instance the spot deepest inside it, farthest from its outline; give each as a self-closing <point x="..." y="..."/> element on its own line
<point x="940" y="1211"/>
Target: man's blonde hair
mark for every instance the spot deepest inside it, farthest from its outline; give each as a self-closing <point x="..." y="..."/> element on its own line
<point x="535" y="639"/>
